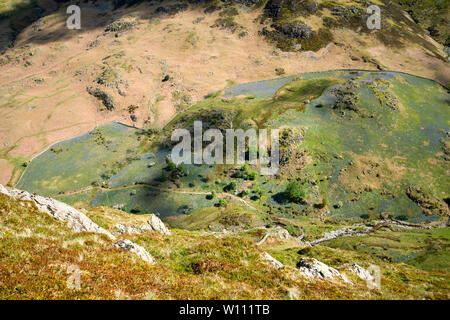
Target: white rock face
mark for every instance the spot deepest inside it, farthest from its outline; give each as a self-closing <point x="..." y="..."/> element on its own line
<point x="155" y="224"/>
<point x="277" y="232"/>
<point x="76" y="220"/>
<point x="128" y="245"/>
<point x="4" y="190"/>
<point x="313" y="268"/>
<point x="360" y="272"/>
<point x="277" y="264"/>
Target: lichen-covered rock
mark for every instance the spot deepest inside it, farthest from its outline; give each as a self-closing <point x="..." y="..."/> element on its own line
<point x="76" y="220"/>
<point x="313" y="268"/>
<point x="360" y="272"/>
<point x="278" y="233"/>
<point x="447" y="52"/>
<point x="346" y="96"/>
<point x="107" y="100"/>
<point x="155" y="224"/>
<point x="274" y="262"/>
<point x="128" y="245"/>
<point x="429" y="204"/>
<point x="295" y="30"/>
<point x="120" y="25"/>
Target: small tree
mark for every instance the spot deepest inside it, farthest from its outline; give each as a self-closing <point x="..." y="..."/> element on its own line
<point x="222" y="203"/>
<point x="171" y="165"/>
<point x="252" y="175"/>
<point x="296" y="192"/>
<point x="211" y="196"/>
<point x="230" y="187"/>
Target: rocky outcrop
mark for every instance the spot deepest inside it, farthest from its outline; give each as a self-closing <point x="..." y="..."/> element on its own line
<point x="274" y="8"/>
<point x="76" y="220"/>
<point x="105" y="97"/>
<point x="346" y="96"/>
<point x="120" y="26"/>
<point x="314" y="269"/>
<point x="295" y="30"/>
<point x="278" y="233"/>
<point x="128" y="245"/>
<point x="274" y="262"/>
<point x="155" y="224"/>
<point x="360" y="272"/>
<point x="429" y="204"/>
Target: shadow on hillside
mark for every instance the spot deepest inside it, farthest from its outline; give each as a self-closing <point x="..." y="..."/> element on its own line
<point x="94" y="14"/>
<point x="98" y="14"/>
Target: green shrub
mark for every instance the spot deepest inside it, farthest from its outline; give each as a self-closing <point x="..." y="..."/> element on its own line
<point x="364" y="216"/>
<point x="252" y="175"/>
<point x="259" y="191"/>
<point x="211" y="196"/>
<point x="296" y="192"/>
<point x="171" y="166"/>
<point x="230" y="187"/>
<point x="402" y="218"/>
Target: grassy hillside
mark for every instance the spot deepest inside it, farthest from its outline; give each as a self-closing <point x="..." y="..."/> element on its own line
<point x="38" y="256"/>
<point x="141" y="63"/>
<point x="432" y="15"/>
<point x="367" y="143"/>
<point x="86" y="117"/>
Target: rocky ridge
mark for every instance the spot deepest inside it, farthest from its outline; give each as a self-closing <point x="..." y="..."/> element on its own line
<point x="78" y="221"/>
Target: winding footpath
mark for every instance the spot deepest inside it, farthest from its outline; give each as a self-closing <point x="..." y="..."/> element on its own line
<point x="219" y="195"/>
<point x="357" y="230"/>
<point x="354" y="232"/>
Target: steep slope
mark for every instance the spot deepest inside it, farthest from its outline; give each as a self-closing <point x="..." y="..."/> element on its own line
<point x="42" y="259"/>
<point x="431" y="15"/>
<point x="142" y="63"/>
